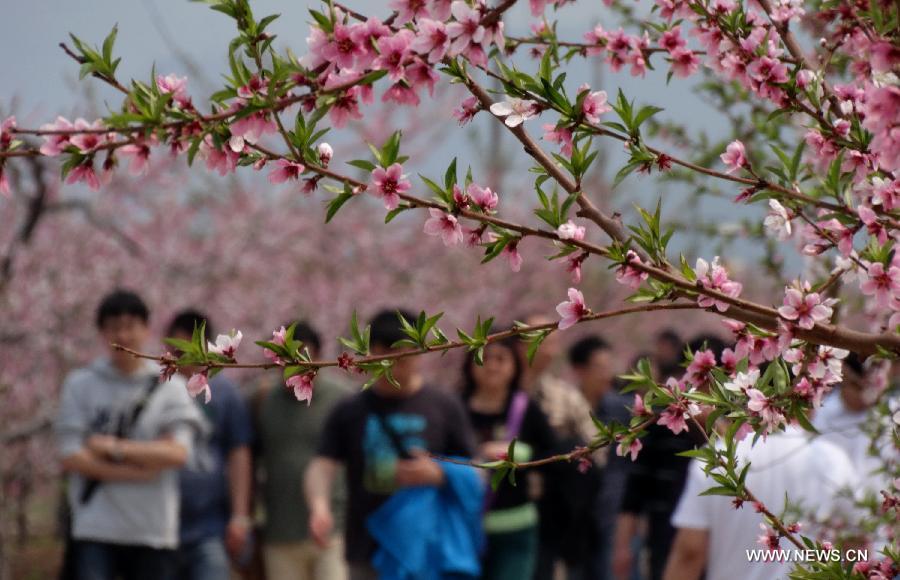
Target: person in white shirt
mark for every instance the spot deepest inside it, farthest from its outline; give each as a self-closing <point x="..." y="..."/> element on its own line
<point x="842" y="418"/>
<point x="712" y="534"/>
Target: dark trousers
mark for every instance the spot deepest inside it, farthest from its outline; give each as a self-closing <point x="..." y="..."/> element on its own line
<point x="510" y="555"/>
<point x="102" y="561"/>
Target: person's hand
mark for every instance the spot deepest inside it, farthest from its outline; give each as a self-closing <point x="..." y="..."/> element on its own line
<point x="236" y="534"/>
<point x="420" y="470"/>
<point x="129" y="472"/>
<point x="321" y="524"/>
<point x="103" y="445"/>
<point x="494" y="450"/>
<point x="621" y="562"/>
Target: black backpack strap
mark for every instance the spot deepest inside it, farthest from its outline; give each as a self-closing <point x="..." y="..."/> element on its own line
<point x="131" y="420"/>
<point x="123" y="427"/>
<point x="393" y="436"/>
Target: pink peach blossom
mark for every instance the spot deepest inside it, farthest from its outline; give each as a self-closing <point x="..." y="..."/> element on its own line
<point x="445" y="225"/>
<point x="572" y="310"/>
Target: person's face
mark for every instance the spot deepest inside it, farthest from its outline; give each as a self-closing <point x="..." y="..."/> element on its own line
<point x="405" y="371"/>
<point x="549" y="349"/>
<point x="126" y="330"/>
<point x="595" y="377"/>
<point x="667" y="354"/>
<point x="498" y="369"/>
<point x="853" y="392"/>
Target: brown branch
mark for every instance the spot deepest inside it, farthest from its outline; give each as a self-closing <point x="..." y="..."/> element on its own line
<point x="576" y="453"/>
<point x="107" y="79"/>
<point x="515" y="330"/>
<point x="587" y="210"/>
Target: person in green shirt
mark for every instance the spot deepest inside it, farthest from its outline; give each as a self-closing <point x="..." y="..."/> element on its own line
<point x="288" y="435"/>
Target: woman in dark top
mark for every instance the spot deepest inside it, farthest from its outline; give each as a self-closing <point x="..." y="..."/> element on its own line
<point x="500" y="411"/>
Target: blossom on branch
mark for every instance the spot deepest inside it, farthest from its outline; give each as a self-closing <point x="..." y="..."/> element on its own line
<point x="880" y="282"/>
<point x="286" y="170"/>
<point x="734" y="156"/>
<point x="302" y="386"/>
<point x="445" y="225"/>
<point x="388" y="184"/>
<point x="778" y="221"/>
<point x="226" y="344"/>
<point x="570" y="231"/>
<point x="515" y="110"/>
<point x="628" y="275"/>
<point x="483" y="197"/>
<point x="714" y="277"/>
<point x="198" y="384"/>
<point x="572" y="310"/>
<point x="594" y="105"/>
<point x="804" y="307"/>
<point x="743" y="381"/>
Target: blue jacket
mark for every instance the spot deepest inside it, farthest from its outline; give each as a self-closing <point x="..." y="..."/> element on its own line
<point x="431" y="533"/>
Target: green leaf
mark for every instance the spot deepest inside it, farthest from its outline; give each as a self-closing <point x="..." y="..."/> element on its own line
<point x="719" y="490"/>
<point x="363" y="164"/>
<point x="335" y="204"/>
<point x="805" y="423"/>
<point x="108" y="44"/>
<point x="644" y="114"/>
<point x="625" y="172"/>
<point x="498" y="476"/>
<point x="323" y="21"/>
<point x="450" y="176"/>
<point x="184" y="346"/>
<point x="395" y="212"/>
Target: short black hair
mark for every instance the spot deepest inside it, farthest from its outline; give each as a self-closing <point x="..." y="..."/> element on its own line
<point x="185" y="321"/>
<point x="669" y="335"/>
<point x="386" y="328"/>
<point x="122" y="303"/>
<point x="855" y="363"/>
<point x="580" y="352"/>
<point x="307" y="334"/>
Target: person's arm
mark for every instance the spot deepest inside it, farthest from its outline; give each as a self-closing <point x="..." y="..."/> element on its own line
<point x="239" y="474"/>
<point x="238" y="430"/>
<point x="418" y="471"/>
<point x="93" y="466"/>
<point x="688" y="555"/>
<point x="622" y="558"/>
<point x="317" y="484"/>
<point x="164" y="453"/>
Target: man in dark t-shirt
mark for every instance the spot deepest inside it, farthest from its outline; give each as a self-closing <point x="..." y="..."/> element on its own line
<point x="382" y="436"/>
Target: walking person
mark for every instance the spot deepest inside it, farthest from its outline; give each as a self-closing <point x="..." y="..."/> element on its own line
<point x="289" y="434"/>
<point x="591" y="359"/>
<point x="216" y="486"/>
<point x="500" y="412"/>
<point x="400" y="500"/>
<point x="122" y="433"/>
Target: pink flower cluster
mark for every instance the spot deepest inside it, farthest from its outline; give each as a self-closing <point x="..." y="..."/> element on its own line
<point x="676" y="415"/>
<point x="804" y="307"/>
<point x="621" y="49"/>
<point x="713" y="276"/>
<point x="440" y="29"/>
<point x="628" y="274"/>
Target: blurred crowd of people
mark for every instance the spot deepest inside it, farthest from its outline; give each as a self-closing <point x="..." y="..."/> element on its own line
<point x="377" y="483"/>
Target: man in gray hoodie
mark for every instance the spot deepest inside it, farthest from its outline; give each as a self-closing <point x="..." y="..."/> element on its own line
<point x="122" y="434"/>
